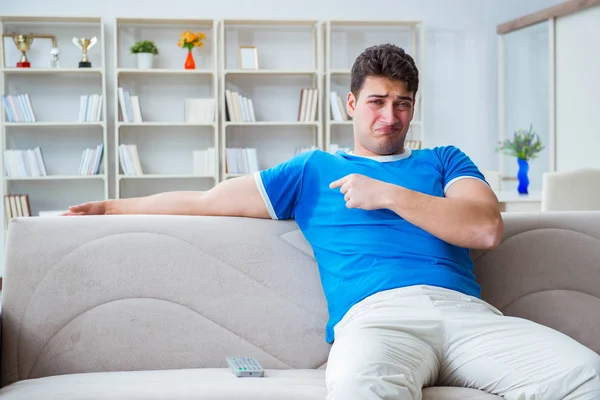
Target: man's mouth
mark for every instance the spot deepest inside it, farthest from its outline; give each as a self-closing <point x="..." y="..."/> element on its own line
<point x="387" y="129"/>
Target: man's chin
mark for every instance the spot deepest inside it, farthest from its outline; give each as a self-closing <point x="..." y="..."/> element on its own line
<point x="388" y="149"/>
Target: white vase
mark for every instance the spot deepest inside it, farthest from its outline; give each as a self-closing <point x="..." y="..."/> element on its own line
<point x="145" y="60"/>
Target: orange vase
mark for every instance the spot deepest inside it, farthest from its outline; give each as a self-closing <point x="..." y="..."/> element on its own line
<point x="189" y="61"/>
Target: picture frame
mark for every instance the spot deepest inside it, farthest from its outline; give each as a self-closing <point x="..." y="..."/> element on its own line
<point x="248" y="56"/>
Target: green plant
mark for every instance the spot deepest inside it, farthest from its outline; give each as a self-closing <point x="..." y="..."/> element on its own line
<point x="144" y="46"/>
<point x="525" y="145"/>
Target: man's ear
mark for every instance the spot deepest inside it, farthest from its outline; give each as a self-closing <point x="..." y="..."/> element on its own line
<point x="351" y="104"/>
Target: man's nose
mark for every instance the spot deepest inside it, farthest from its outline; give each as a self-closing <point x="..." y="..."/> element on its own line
<point x="388" y="115"/>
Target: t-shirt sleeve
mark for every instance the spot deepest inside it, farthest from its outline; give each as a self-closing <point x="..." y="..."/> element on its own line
<point x="457" y="165"/>
<point x="281" y="186"/>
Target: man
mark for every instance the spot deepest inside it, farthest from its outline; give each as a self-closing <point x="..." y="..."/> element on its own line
<point x="391" y="230"/>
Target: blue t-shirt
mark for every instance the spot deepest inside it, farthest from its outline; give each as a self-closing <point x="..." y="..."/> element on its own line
<point x="362" y="252"/>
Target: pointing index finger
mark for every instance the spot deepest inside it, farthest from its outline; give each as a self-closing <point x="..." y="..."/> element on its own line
<point x="338" y="183"/>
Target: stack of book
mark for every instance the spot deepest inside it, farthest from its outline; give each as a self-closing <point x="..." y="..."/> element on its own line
<point x="199" y="111"/>
<point x="129" y="106"/>
<point x="90" y="161"/>
<point x="16" y="205"/>
<point x="90" y="108"/>
<point x="241" y="160"/>
<point x="204" y="161"/>
<point x="309" y="99"/>
<point x="129" y="159"/>
<point x="239" y="108"/>
<point x="24" y="163"/>
<point x="338" y="108"/>
<point x="18" y="108"/>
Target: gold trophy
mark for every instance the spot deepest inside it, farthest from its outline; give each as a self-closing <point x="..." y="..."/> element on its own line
<point x="23" y="43"/>
<point x="85" y="45"/>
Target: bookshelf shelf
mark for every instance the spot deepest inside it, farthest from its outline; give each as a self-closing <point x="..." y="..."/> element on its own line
<point x="52" y="71"/>
<point x="261" y="108"/>
<point x="229" y="176"/>
<point x="163" y="71"/>
<point x="340" y="72"/>
<point x="166" y="176"/>
<point x="53" y="124"/>
<point x="169" y="136"/>
<point x="57" y="177"/>
<point x="164" y="124"/>
<point x="270" y="72"/>
<point x="313" y="124"/>
<point x="62" y="142"/>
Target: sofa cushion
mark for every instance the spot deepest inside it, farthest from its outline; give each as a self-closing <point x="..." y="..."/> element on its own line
<point x="197" y="384"/>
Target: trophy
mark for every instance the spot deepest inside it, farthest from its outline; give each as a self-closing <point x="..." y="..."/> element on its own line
<point x="54" y="52"/>
<point x="85" y="45"/>
<point x="23" y="43"/>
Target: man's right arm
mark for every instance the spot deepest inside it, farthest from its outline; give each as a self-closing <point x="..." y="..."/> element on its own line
<point x="238" y="197"/>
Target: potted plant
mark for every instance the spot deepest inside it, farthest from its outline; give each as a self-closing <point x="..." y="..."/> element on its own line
<point x="145" y="50"/>
<point x="525" y="146"/>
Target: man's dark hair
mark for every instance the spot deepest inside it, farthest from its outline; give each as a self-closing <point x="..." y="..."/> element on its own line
<point x="384" y="60"/>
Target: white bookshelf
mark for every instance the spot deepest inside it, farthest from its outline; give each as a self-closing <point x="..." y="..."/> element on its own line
<point x="55" y="92"/>
<point x="344" y="41"/>
<point x="164" y="140"/>
<point x="289" y="54"/>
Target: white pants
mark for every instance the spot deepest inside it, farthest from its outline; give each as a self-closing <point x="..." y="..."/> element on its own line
<point x="394" y="343"/>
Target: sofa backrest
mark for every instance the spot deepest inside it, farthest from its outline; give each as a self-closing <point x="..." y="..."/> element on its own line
<point x="112" y="293"/>
<point x="85" y="294"/>
<point x="547" y="269"/>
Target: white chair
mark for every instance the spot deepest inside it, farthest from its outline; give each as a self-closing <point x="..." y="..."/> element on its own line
<point x="493" y="178"/>
<point x="571" y="190"/>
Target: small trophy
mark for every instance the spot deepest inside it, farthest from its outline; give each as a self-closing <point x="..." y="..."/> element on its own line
<point x="54" y="62"/>
<point x="85" y="45"/>
<point x="23" y="43"/>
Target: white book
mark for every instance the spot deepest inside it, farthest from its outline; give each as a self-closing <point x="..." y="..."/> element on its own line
<point x="124" y="115"/>
<point x="229" y="104"/>
<point x="251" y="108"/>
<point x="137" y="111"/>
<point x="100" y="108"/>
<point x="81" y="160"/>
<point x="335" y="109"/>
<point x="99" y="154"/>
<point x="315" y="103"/>
<point x="308" y="104"/>
<point x="82" y="106"/>
<point x="51" y="213"/>
<point x="34" y="169"/>
<point x="122" y="161"/>
<point x="40" y="159"/>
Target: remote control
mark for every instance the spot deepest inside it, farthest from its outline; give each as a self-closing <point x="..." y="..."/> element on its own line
<point x="245" y="366"/>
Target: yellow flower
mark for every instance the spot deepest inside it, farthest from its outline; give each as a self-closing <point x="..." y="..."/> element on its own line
<point x="191" y="39"/>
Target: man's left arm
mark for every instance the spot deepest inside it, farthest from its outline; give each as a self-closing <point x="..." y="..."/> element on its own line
<point x="468" y="216"/>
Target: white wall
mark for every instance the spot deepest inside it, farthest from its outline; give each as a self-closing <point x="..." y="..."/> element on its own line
<point x="460" y="82"/>
<point x="460" y="48"/>
<point x="577" y="99"/>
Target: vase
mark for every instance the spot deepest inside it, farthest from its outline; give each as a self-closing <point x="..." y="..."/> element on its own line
<point x="145" y="60"/>
<point x="189" y="61"/>
<point x="522" y="176"/>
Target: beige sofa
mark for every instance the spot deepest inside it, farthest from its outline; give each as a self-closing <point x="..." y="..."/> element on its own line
<point x="148" y="307"/>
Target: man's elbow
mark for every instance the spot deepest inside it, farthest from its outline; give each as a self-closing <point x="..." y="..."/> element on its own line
<point x="494" y="232"/>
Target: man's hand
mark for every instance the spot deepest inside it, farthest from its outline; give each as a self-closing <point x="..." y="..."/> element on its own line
<point x="362" y="192"/>
<point x="91" y="208"/>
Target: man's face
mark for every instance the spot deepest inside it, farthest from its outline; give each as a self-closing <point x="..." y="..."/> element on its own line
<point x="382" y="114"/>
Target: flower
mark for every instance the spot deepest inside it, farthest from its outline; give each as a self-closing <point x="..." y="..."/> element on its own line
<point x="525" y="145"/>
<point x="189" y="40"/>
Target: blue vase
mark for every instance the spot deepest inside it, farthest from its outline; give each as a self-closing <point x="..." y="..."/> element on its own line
<point x="522" y="176"/>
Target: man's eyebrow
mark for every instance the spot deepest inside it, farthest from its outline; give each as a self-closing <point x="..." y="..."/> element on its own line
<point x="383" y="96"/>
